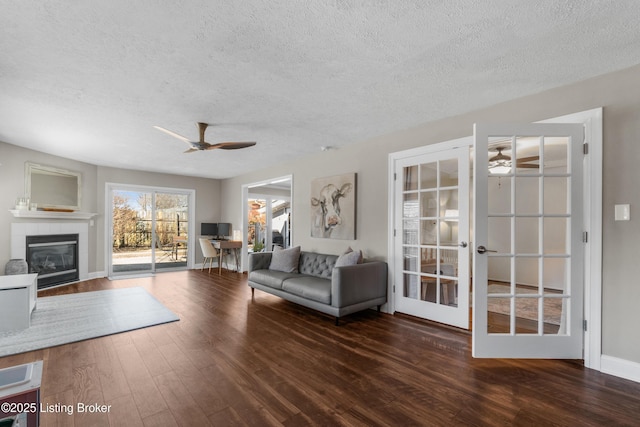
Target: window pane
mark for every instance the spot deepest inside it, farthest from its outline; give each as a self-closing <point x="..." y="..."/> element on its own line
<point x="428" y="175"/>
<point x="555" y="155"/>
<point x="410" y="178"/>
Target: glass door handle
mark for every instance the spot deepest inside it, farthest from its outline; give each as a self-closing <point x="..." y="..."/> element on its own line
<point x="481" y="250"/>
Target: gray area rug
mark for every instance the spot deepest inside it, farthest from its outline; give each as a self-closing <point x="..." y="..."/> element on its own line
<point x="525" y="308"/>
<point x="64" y="319"/>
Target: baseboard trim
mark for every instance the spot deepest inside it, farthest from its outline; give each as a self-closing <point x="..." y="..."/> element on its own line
<point x="97" y="275"/>
<point x="620" y="368"/>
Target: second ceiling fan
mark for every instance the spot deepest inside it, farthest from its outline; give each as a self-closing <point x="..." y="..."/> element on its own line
<point x="202" y="145"/>
<point x="522" y="162"/>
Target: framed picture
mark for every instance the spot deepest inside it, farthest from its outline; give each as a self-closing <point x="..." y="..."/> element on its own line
<point x="333" y="207"/>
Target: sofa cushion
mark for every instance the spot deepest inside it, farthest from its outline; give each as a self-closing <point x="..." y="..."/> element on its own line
<point x="312" y="288"/>
<point x="350" y="257"/>
<point x="285" y="260"/>
<point x="318" y="265"/>
<point x="270" y="278"/>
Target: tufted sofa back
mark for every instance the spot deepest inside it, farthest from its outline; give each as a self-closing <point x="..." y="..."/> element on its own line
<point x="319" y="265"/>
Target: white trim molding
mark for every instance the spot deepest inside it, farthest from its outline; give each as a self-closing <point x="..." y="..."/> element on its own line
<point x="620" y="368"/>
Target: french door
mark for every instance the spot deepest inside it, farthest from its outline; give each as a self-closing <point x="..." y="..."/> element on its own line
<point x="149" y="230"/>
<point x="431" y="236"/>
<point x="528" y="241"/>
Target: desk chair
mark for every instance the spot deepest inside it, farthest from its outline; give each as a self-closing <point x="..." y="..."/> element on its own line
<point x="209" y="251"/>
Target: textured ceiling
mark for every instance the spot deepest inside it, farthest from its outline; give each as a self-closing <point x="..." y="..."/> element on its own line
<point x="88" y="80"/>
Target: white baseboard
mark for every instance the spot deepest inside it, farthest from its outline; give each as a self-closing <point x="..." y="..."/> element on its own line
<point x="97" y="275"/>
<point x="620" y="368"/>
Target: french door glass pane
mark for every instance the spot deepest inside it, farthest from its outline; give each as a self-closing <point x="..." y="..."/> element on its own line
<point x="410" y="178"/>
<point x="527" y="195"/>
<point x="555" y="189"/>
<point x="428" y="175"/>
<point x="556" y="155"/>
<point x="530" y="198"/>
<point x="411" y="282"/>
<point x="430" y="225"/>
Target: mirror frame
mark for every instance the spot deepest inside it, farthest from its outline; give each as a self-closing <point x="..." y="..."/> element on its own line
<point x="34" y="168"/>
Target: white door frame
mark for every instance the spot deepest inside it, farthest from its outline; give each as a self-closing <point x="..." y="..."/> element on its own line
<point x="108" y="223"/>
<point x="592" y="120"/>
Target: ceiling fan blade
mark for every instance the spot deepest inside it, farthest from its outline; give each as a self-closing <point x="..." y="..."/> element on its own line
<point x="173" y="134"/>
<point x="527" y="166"/>
<point x="191" y="150"/>
<point x="231" y="145"/>
<point x="528" y="159"/>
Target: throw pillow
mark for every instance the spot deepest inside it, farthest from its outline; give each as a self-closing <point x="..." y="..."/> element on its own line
<point x="350" y="257"/>
<point x="285" y="260"/>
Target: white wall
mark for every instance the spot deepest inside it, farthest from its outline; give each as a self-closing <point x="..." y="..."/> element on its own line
<point x="207" y="199"/>
<point x="12" y="158"/>
<point x="12" y="185"/>
<point x="618" y="93"/>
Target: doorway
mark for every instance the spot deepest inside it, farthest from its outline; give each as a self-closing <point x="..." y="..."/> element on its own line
<point x="432" y="236"/>
<point x="148" y="229"/>
<point x="529" y="261"/>
<point x="267" y="213"/>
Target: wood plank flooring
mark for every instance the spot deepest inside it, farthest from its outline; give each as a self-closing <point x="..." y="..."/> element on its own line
<point x="232" y="360"/>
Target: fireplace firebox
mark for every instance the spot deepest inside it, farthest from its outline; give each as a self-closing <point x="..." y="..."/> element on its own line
<point x="54" y="257"/>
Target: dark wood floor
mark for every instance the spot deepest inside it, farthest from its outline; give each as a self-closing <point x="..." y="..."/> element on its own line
<point x="234" y="361"/>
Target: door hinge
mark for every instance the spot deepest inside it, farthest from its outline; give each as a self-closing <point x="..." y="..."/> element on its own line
<point x="585" y="148"/>
<point x="585" y="237"/>
<point x="395" y="176"/>
<point x="394" y="289"/>
<point x="584" y="325"/>
<point x="394" y="232"/>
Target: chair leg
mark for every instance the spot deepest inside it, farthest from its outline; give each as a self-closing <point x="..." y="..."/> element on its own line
<point x="337" y="321"/>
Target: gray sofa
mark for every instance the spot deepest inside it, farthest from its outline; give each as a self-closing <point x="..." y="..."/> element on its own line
<point x="319" y="285"/>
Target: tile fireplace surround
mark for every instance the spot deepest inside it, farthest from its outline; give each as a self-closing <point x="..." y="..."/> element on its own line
<point x="20" y="231"/>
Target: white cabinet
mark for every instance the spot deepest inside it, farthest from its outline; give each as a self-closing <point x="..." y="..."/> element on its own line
<point x="18" y="294"/>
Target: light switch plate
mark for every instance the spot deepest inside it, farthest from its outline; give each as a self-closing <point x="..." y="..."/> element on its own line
<point x="622" y="213"/>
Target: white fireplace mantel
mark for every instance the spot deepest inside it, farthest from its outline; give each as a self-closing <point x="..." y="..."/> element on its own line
<point x="51" y="214"/>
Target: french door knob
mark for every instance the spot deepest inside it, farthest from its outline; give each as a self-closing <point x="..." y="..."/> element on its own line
<point x="463" y="244"/>
<point x="481" y="250"/>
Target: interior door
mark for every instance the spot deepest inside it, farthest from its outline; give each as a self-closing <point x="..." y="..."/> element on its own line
<point x="528" y="249"/>
<point x="431" y="234"/>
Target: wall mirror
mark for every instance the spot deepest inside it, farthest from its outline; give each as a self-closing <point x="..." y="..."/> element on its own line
<point x="52" y="188"/>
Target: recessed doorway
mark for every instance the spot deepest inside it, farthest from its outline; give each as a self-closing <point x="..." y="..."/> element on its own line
<point x="267" y="212"/>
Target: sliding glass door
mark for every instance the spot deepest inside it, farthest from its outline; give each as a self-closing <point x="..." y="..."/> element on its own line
<point x="149" y="230"/>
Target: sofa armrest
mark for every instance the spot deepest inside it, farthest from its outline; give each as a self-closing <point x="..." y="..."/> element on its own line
<point x="259" y="261"/>
<point x="353" y="284"/>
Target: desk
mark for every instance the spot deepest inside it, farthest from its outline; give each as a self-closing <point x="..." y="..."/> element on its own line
<point x="221" y="245"/>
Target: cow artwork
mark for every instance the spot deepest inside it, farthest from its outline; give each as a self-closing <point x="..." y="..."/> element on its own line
<point x="333" y="207"/>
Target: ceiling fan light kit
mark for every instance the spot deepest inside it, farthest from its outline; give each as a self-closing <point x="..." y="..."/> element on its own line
<point x="501" y="164"/>
<point x="201" y="144"/>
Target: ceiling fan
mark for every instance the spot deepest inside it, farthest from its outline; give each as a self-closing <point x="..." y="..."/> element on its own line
<point x="202" y="144"/>
<point x="505" y="160"/>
